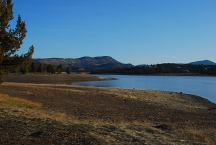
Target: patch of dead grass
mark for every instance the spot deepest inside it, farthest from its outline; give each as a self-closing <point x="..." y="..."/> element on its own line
<point x="207" y="135"/>
<point x="17" y="102"/>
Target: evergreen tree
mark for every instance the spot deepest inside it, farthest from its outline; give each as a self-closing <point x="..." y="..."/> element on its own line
<point x="33" y="67"/>
<point x="59" y="68"/>
<point x="50" y="69"/>
<point x="11" y="39"/>
<point x="40" y="68"/>
<point x="68" y="71"/>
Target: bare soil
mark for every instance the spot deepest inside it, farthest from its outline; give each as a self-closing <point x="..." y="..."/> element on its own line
<point x="40" y="78"/>
<point x="65" y="114"/>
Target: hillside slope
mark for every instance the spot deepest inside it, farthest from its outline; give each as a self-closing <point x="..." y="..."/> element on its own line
<point x="85" y="63"/>
<point x="203" y="62"/>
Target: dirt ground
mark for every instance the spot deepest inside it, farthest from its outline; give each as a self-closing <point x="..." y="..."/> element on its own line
<point x="66" y="114"/>
<point x="40" y="78"/>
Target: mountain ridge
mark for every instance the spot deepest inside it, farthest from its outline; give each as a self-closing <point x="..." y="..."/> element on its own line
<point x="85" y="63"/>
<point x="203" y="62"/>
<point x="105" y="63"/>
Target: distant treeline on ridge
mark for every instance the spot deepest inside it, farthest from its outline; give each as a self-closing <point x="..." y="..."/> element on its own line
<point x="164" y="69"/>
<point x="158" y="69"/>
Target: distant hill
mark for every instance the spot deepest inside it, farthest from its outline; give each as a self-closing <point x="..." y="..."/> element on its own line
<point x="86" y="63"/>
<point x="203" y="62"/>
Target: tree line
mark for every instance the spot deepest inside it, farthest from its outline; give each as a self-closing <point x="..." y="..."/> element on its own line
<point x="167" y="69"/>
<point x="37" y="67"/>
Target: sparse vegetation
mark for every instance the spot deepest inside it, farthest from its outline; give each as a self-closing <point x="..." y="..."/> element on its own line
<point x="47" y="78"/>
<point x="64" y="114"/>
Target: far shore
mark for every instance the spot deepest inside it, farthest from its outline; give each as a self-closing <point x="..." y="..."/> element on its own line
<point x="164" y="74"/>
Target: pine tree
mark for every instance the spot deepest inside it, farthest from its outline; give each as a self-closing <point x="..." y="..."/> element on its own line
<point x="59" y="68"/>
<point x="33" y="67"/>
<point x="68" y="70"/>
<point x="11" y="39"/>
<point x="50" y="69"/>
<point x="40" y="68"/>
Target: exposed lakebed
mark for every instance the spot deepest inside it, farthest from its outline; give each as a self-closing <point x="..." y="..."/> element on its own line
<point x="196" y="85"/>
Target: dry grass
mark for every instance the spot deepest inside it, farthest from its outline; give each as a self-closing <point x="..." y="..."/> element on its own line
<point x="56" y="128"/>
<point x="17" y="102"/>
<point x="207" y="135"/>
<point x="64" y="114"/>
<point x="25" y="122"/>
<point x="50" y="78"/>
<point x="168" y="99"/>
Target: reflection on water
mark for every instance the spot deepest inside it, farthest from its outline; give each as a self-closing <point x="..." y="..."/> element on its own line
<point x="200" y="86"/>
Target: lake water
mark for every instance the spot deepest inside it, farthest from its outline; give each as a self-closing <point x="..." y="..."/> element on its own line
<point x="196" y="85"/>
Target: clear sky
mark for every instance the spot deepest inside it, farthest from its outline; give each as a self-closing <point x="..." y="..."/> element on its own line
<point x="135" y="31"/>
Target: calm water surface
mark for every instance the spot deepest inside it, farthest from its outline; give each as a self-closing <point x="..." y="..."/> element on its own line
<point x="200" y="86"/>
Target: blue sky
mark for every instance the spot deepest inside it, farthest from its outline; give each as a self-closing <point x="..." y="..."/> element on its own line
<point x="135" y="31"/>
